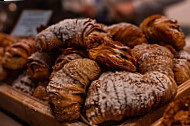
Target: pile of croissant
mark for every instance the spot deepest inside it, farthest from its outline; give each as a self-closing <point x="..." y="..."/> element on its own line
<point x="100" y="73"/>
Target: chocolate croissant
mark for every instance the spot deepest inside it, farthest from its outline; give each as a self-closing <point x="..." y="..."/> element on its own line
<point x="115" y="96"/>
<point x="162" y="30"/>
<point x="128" y="34"/>
<point x="39" y="65"/>
<point x="177" y="113"/>
<point x="153" y="58"/>
<point x="6" y="40"/>
<point x="114" y="55"/>
<point x="70" y="33"/>
<point x="16" y="55"/>
<point x="67" y="88"/>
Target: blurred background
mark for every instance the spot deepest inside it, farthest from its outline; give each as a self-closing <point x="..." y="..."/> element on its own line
<point x="104" y="11"/>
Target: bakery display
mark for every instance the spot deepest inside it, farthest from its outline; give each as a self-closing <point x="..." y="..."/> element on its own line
<point x="177" y="113"/>
<point x="90" y="73"/>
<point x="163" y="30"/>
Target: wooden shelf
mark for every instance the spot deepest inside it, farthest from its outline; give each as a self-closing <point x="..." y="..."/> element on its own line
<point x="27" y="108"/>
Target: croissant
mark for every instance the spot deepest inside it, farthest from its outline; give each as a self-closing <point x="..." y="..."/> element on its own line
<point x="70" y="33"/>
<point x="162" y="30"/>
<point x="153" y="58"/>
<point x="17" y="54"/>
<point x="40" y="91"/>
<point x="114" y="55"/>
<point x="181" y="70"/>
<point x="39" y="65"/>
<point x="67" y="88"/>
<point x="24" y="83"/>
<point x="81" y="33"/>
<point x="177" y="113"/>
<point x="3" y="72"/>
<point x="67" y="55"/>
<point x="115" y="96"/>
<point x="6" y="40"/>
<point x="128" y="34"/>
<point x="182" y="66"/>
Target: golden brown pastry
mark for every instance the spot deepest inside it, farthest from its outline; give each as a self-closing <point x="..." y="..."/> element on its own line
<point x="181" y="70"/>
<point x="114" y="55"/>
<point x="66" y="56"/>
<point x="153" y="58"/>
<point x="63" y="59"/>
<point x="86" y="34"/>
<point x="177" y="113"/>
<point x="3" y="72"/>
<point x="183" y="54"/>
<point x="39" y="65"/>
<point x="162" y="30"/>
<point x="6" y="40"/>
<point x="128" y="34"/>
<point x="24" y="83"/>
<point x="182" y="66"/>
<point x="115" y="96"/>
<point x="40" y="91"/>
<point x="17" y="54"/>
<point x="67" y="88"/>
<point x="70" y="33"/>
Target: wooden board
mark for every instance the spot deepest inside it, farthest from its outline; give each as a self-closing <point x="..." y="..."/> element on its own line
<point x="37" y="113"/>
<point x="7" y="121"/>
<point x="27" y="108"/>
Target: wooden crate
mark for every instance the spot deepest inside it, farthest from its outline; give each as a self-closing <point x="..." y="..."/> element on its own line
<point x="37" y="113"/>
